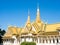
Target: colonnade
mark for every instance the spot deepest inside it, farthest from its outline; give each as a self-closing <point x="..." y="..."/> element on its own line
<point x="8" y="42"/>
<point x="41" y="39"/>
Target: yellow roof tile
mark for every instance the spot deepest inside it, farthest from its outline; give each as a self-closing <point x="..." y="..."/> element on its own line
<point x="52" y="27"/>
<point x="13" y="30"/>
<point x="24" y="31"/>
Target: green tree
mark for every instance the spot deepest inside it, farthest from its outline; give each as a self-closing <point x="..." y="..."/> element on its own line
<point x="28" y="43"/>
<point x="2" y="32"/>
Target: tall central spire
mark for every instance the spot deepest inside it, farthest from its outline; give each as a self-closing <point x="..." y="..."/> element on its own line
<point x="38" y="15"/>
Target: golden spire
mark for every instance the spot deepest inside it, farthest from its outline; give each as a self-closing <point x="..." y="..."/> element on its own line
<point x="38" y="15"/>
<point x="28" y="20"/>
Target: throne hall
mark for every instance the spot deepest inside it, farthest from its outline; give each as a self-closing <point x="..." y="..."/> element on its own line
<point x="37" y="31"/>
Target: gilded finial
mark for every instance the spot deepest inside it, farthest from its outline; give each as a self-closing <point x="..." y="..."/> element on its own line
<point x="38" y="7"/>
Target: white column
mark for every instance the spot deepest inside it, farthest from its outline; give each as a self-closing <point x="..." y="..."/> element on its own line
<point x="20" y="40"/>
<point x="55" y="40"/>
<point x="59" y="39"/>
<point x="45" y="41"/>
<point x="51" y="40"/>
<point x="48" y="41"/>
<point x="33" y="39"/>
<point x="24" y="38"/>
<point x="41" y="40"/>
<point x="38" y="39"/>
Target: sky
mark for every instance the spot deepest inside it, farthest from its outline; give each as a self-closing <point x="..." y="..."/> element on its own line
<point x="15" y="12"/>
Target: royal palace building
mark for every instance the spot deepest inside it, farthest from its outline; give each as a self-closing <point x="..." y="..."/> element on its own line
<point x="39" y="32"/>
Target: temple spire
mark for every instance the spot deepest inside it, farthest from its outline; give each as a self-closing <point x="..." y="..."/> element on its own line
<point x="28" y="20"/>
<point x="38" y="15"/>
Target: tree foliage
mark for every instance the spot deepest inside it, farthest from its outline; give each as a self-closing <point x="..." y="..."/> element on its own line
<point x="2" y="32"/>
<point x="28" y="43"/>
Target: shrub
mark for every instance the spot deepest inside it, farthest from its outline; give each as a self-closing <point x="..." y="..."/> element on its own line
<point x="28" y="43"/>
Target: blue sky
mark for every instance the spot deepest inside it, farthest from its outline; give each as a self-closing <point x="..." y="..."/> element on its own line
<point x="15" y="12"/>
